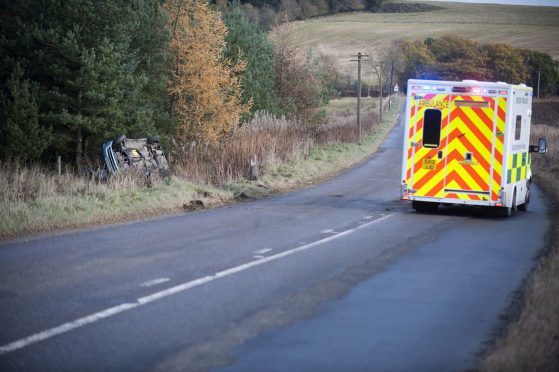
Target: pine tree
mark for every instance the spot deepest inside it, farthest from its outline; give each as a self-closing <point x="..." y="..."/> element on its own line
<point x="21" y="136"/>
<point x="247" y="41"/>
<point x="89" y="71"/>
<point x="100" y="67"/>
<point x="150" y="39"/>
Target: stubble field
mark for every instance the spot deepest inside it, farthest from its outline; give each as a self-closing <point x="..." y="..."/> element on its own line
<point x="343" y="35"/>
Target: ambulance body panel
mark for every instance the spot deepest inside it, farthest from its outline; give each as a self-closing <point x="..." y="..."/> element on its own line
<point x="467" y="143"/>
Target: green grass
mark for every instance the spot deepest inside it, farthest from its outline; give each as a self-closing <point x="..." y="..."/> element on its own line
<point x="343" y="35"/>
<point x="99" y="206"/>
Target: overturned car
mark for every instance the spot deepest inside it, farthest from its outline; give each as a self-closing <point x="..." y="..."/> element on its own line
<point x="144" y="153"/>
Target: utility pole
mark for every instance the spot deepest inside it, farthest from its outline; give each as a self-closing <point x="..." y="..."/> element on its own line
<point x="390" y="90"/>
<point x="539" y="76"/>
<point x="359" y="60"/>
<point x="377" y="68"/>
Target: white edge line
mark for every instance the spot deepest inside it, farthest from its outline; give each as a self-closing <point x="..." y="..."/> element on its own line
<point x="78" y="323"/>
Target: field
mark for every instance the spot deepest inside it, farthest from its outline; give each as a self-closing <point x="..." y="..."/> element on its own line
<point x="344" y="35"/>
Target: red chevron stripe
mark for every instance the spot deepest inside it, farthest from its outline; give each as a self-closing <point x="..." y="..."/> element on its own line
<point x="427" y="177"/>
<point x="484" y="118"/>
<point x="500" y="113"/>
<point x="481" y="183"/>
<point x="419" y="164"/>
<point x="476" y="154"/>
<point x="436" y="189"/>
<point x="471" y="125"/>
<point x="455" y="155"/>
<point x="454" y="177"/>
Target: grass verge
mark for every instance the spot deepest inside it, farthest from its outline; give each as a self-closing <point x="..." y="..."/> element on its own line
<point x="32" y="201"/>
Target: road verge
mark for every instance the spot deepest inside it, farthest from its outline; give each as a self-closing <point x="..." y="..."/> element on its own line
<point x="130" y="198"/>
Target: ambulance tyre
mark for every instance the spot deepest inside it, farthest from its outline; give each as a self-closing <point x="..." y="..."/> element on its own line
<point x="420" y="206"/>
<point x="524" y="207"/>
<point x="507" y="211"/>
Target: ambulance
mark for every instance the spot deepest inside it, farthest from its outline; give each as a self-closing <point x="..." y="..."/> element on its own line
<point x="467" y="143"/>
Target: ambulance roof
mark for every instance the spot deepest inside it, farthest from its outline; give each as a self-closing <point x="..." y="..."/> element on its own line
<point x="468" y="83"/>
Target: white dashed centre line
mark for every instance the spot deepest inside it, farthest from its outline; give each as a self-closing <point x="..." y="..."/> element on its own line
<point x="89" y="319"/>
<point x="262" y="251"/>
<point x="153" y="282"/>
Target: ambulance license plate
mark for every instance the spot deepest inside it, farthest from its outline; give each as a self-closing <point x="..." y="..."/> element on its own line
<point x="429" y="163"/>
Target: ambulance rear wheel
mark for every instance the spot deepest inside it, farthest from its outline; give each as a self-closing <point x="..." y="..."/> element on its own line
<point x="424" y="206"/>
<point x="508" y="211"/>
<point x="524" y="207"/>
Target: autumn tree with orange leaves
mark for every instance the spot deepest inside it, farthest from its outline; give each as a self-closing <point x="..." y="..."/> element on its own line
<point x="205" y="88"/>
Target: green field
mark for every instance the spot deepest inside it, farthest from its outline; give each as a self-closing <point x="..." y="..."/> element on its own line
<point x="535" y="28"/>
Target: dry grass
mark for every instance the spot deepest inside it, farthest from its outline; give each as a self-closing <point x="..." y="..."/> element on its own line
<point x="343" y="35"/>
<point x="532" y="342"/>
<point x="34" y="199"/>
<point x="268" y="142"/>
<point x="28" y="183"/>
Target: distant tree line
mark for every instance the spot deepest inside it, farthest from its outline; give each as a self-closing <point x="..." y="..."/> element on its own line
<point x="78" y="72"/>
<point x="452" y="57"/>
<point x="268" y="12"/>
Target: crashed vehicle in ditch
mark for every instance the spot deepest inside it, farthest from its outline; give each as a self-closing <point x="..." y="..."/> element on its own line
<point x="144" y="154"/>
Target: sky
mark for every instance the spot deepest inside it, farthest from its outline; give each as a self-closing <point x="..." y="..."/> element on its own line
<point x="511" y="2"/>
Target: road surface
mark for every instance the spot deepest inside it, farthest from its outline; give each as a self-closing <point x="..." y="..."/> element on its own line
<point x="340" y="276"/>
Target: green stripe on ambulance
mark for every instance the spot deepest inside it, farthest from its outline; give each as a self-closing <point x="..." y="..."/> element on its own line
<point x="518" y="167"/>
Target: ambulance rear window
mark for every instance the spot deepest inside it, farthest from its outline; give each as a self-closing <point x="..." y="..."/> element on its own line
<point x="432" y="128"/>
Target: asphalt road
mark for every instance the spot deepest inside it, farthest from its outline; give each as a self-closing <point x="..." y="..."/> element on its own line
<point x="340" y="276"/>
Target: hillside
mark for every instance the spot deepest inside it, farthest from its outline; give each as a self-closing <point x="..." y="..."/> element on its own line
<point x="342" y="35"/>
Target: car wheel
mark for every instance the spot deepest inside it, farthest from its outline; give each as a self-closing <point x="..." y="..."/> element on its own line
<point x="154" y="139"/>
<point x="119" y="139"/>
